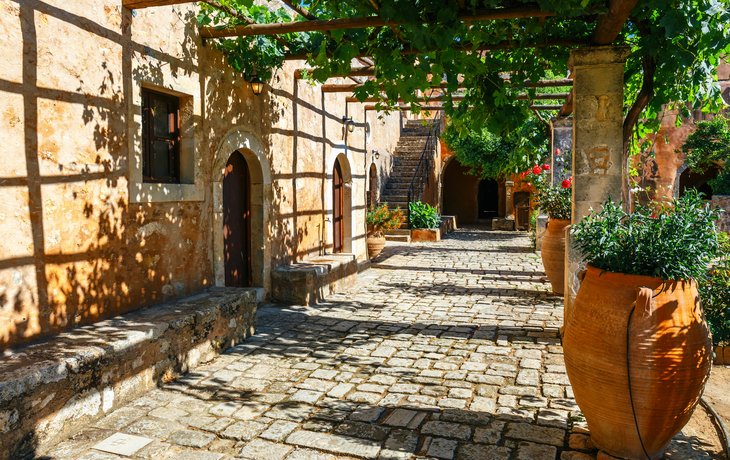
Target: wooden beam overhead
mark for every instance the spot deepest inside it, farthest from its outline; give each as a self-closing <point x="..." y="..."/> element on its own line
<point x="529" y="11"/>
<point x="348" y="88"/>
<point x="567" y="107"/>
<point x="547" y="83"/>
<point x="525" y="97"/>
<point x="455" y="97"/>
<point x="137" y="4"/>
<point x="610" y="24"/>
<point x="503" y="45"/>
<point x="545" y="107"/>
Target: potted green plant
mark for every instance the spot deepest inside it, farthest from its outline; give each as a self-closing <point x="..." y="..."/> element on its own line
<point x="425" y="222"/>
<point x="556" y="201"/>
<point x="380" y="219"/>
<point x="715" y="297"/>
<point x="637" y="346"/>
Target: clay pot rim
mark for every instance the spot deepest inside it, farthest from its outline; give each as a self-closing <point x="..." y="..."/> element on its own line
<point x="624" y="278"/>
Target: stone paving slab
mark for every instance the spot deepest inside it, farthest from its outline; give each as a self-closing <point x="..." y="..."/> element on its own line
<point x="445" y="350"/>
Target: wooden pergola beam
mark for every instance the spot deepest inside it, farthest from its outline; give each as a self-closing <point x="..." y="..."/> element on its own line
<point x="610" y="24"/>
<point x="350" y="87"/>
<point x="455" y="97"/>
<point x="525" y="97"/>
<point x="529" y="11"/>
<point x="545" y="107"/>
<point x="503" y="45"/>
<point x="137" y="4"/>
<point x="567" y="107"/>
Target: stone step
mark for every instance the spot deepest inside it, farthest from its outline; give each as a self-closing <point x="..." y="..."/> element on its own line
<point x="398" y="238"/>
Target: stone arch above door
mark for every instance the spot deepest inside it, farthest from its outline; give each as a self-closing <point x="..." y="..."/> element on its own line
<point x="253" y="152"/>
<point x="346" y="166"/>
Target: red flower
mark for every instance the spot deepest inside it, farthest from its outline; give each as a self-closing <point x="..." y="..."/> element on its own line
<point x="557" y="151"/>
<point x="546" y="167"/>
<point x="524" y="173"/>
<point x="529" y="184"/>
<point x="653" y="216"/>
<point x="566" y="183"/>
<point x="536" y="170"/>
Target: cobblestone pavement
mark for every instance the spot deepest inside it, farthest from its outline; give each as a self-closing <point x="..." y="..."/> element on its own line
<point x="443" y="350"/>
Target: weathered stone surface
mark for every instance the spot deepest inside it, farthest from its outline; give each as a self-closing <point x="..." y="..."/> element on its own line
<point x="243" y="431"/>
<point x="279" y="430"/>
<point x="538" y="434"/>
<point x="531" y="451"/>
<point x="264" y="450"/>
<point x="333" y="443"/>
<point x="442" y="448"/>
<point x="123" y="444"/>
<point x="191" y="438"/>
<point x="447" y="430"/>
<point x="482" y="452"/>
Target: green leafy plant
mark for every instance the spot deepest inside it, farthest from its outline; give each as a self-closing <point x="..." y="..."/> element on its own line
<point x="675" y="241"/>
<point x="423" y="215"/>
<point x="382" y="218"/>
<point x="707" y="147"/>
<point x="715" y="295"/>
<point x="495" y="157"/>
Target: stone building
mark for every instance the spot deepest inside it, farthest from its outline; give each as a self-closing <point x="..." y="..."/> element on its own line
<point x="106" y="209"/>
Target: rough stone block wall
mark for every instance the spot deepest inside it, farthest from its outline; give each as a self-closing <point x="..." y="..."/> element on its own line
<point x="51" y="389"/>
<point x="722" y="202"/>
<point x="84" y="238"/>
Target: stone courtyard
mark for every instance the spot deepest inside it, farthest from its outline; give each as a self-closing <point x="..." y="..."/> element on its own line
<point x="444" y="350"/>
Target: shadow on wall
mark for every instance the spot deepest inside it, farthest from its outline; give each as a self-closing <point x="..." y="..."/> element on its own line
<point x="91" y="253"/>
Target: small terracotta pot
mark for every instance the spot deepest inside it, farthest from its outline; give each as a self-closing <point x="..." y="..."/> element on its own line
<point x="375" y="243"/>
<point x="553" y="253"/>
<point x="670" y="355"/>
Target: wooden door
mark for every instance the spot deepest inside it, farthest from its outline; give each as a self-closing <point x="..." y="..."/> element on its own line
<point x="237" y="222"/>
<point x="338" y="202"/>
<point x="373" y="185"/>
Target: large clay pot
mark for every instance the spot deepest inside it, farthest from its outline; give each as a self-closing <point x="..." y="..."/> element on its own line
<point x="375" y="243"/>
<point x="670" y="356"/>
<point x="553" y="253"/>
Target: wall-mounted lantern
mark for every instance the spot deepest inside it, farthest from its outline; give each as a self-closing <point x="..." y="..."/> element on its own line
<point x="349" y="124"/>
<point x="376" y="154"/>
<point x="257" y="86"/>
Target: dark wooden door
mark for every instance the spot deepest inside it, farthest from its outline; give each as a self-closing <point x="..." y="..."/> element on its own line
<point x="337" y="205"/>
<point x="237" y="222"/>
<point x="372" y="186"/>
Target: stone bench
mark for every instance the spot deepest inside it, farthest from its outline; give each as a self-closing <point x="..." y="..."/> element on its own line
<point x="52" y="388"/>
<point x="311" y="280"/>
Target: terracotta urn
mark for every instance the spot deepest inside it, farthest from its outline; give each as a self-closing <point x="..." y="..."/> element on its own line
<point x="553" y="253"/>
<point x="669" y="359"/>
<point x="375" y="242"/>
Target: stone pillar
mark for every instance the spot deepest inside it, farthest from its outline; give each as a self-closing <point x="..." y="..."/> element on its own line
<point x="562" y="139"/>
<point x="598" y="170"/>
<point x="508" y="184"/>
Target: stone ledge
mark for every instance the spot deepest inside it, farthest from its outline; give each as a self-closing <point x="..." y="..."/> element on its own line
<point x="311" y="280"/>
<point x="448" y="224"/>
<point x="503" y="223"/>
<point x="52" y="388"/>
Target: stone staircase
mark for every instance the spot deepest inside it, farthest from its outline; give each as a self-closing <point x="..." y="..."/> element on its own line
<point x="407" y="155"/>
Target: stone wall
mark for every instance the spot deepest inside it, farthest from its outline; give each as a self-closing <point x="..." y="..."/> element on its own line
<point x="722" y="202"/>
<point x="83" y="237"/>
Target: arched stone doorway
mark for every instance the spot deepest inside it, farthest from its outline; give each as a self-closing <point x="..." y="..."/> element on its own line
<point x="237" y="222"/>
<point x="459" y="193"/>
<point x="247" y="146"/>
<point x="488" y="199"/>
<point x="339" y="203"/>
<point x="372" y="191"/>
<point x="697" y="181"/>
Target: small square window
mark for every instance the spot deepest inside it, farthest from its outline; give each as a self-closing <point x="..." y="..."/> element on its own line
<point x="160" y="137"/>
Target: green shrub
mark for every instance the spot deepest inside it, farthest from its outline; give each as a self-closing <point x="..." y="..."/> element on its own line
<point x="721" y="184"/>
<point x="672" y="242"/>
<point x="715" y="296"/>
<point x="422" y="215"/>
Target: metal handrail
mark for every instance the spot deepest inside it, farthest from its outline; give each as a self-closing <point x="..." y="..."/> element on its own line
<point x="433" y="134"/>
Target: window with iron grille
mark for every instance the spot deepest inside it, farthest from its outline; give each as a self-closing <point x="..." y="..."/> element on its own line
<point x="160" y="137"/>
